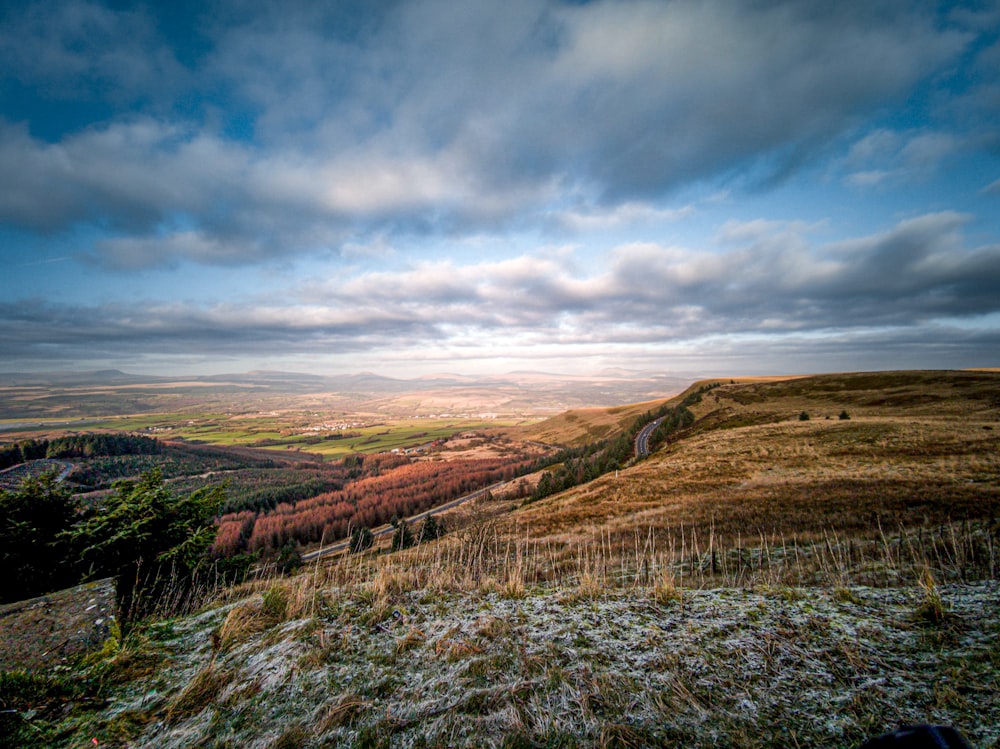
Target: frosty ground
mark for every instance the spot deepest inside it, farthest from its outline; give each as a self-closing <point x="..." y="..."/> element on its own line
<point x="571" y="667"/>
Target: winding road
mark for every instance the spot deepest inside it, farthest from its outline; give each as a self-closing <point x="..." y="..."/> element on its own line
<point x="642" y="439"/>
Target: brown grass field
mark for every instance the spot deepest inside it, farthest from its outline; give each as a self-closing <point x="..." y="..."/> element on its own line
<point x="918" y="458"/>
<point x="581" y="426"/>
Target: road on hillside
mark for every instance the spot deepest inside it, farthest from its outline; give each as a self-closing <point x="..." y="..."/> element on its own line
<point x="385" y="529"/>
<point x="642" y="439"/>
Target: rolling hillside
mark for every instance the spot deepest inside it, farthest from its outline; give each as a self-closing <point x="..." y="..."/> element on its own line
<point x="813" y="562"/>
<point x="917" y="449"/>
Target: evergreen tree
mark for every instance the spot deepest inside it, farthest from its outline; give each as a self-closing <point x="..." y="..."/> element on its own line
<point x="361" y="539"/>
<point x="289" y="557"/>
<point x="431" y="529"/>
<point x="35" y="552"/>
<point x="150" y="540"/>
<point x="402" y="538"/>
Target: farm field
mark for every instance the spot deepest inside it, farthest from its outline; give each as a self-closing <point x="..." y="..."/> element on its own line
<point x="307" y="432"/>
<point x="41" y="398"/>
<point x="274" y="412"/>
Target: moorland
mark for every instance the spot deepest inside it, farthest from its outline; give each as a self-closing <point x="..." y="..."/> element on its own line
<point x="803" y="561"/>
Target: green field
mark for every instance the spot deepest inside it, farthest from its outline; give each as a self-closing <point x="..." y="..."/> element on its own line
<point x="282" y="432"/>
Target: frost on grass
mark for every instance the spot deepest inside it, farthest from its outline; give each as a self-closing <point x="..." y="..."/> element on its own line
<point x="761" y="667"/>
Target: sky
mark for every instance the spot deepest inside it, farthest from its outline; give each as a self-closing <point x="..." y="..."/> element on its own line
<point x="705" y="187"/>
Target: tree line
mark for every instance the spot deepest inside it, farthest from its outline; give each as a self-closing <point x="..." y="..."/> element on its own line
<point x="580" y="465"/>
<point x="405" y="489"/>
<point x="78" y="446"/>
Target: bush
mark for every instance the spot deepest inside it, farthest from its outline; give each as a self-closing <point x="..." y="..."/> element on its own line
<point x="150" y="540"/>
<point x="34" y="548"/>
<point x="289" y="557"/>
<point x="431" y="529"/>
<point x="402" y="538"/>
<point x="361" y="539"/>
<point x="803" y="416"/>
<point x="844" y="416"/>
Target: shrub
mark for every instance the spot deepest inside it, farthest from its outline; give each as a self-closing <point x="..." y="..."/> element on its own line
<point x="274" y="604"/>
<point x="402" y="538"/>
<point x="361" y="539"/>
<point x="289" y="557"/>
<point x="150" y="540"/>
<point x="844" y="416"/>
<point x="803" y="416"/>
<point x="431" y="529"/>
<point x="34" y="547"/>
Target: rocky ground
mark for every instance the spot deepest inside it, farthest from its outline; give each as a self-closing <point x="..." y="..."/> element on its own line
<point x="45" y="632"/>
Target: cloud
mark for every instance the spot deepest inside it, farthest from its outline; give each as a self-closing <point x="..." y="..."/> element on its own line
<point x="768" y="283"/>
<point x="77" y="50"/>
<point x="130" y="175"/>
<point x="126" y="253"/>
<point x="658" y="84"/>
<point x="630" y="213"/>
<point x="892" y="157"/>
<point x="161" y="194"/>
<point x="428" y="117"/>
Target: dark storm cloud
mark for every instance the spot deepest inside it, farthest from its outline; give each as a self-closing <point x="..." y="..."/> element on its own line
<point x="298" y="127"/>
<point x="36" y="331"/>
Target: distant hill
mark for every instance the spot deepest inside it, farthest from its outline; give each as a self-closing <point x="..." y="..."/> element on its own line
<point x="112" y="392"/>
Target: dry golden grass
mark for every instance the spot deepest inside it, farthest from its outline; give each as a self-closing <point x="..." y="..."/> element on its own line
<point x="257" y="614"/>
<point x="751" y="494"/>
<point x="606" y="641"/>
<point x="919" y="449"/>
<point x="584" y="425"/>
<point x="341" y="712"/>
<point x="581" y="426"/>
<point x="794" y="477"/>
<point x="200" y="692"/>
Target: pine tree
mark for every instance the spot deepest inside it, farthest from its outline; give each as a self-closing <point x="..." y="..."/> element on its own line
<point x="149" y="539"/>
<point x="431" y="529"/>
<point x="361" y="539"/>
<point x="402" y="538"/>
<point x="34" y="549"/>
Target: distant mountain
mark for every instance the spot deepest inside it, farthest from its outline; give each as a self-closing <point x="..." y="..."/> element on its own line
<point x="77" y="379"/>
<point x="521" y="391"/>
<point x="281" y="381"/>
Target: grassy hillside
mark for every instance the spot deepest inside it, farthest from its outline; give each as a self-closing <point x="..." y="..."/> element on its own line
<point x="918" y="450"/>
<point x="581" y="426"/>
<point x="760" y="580"/>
